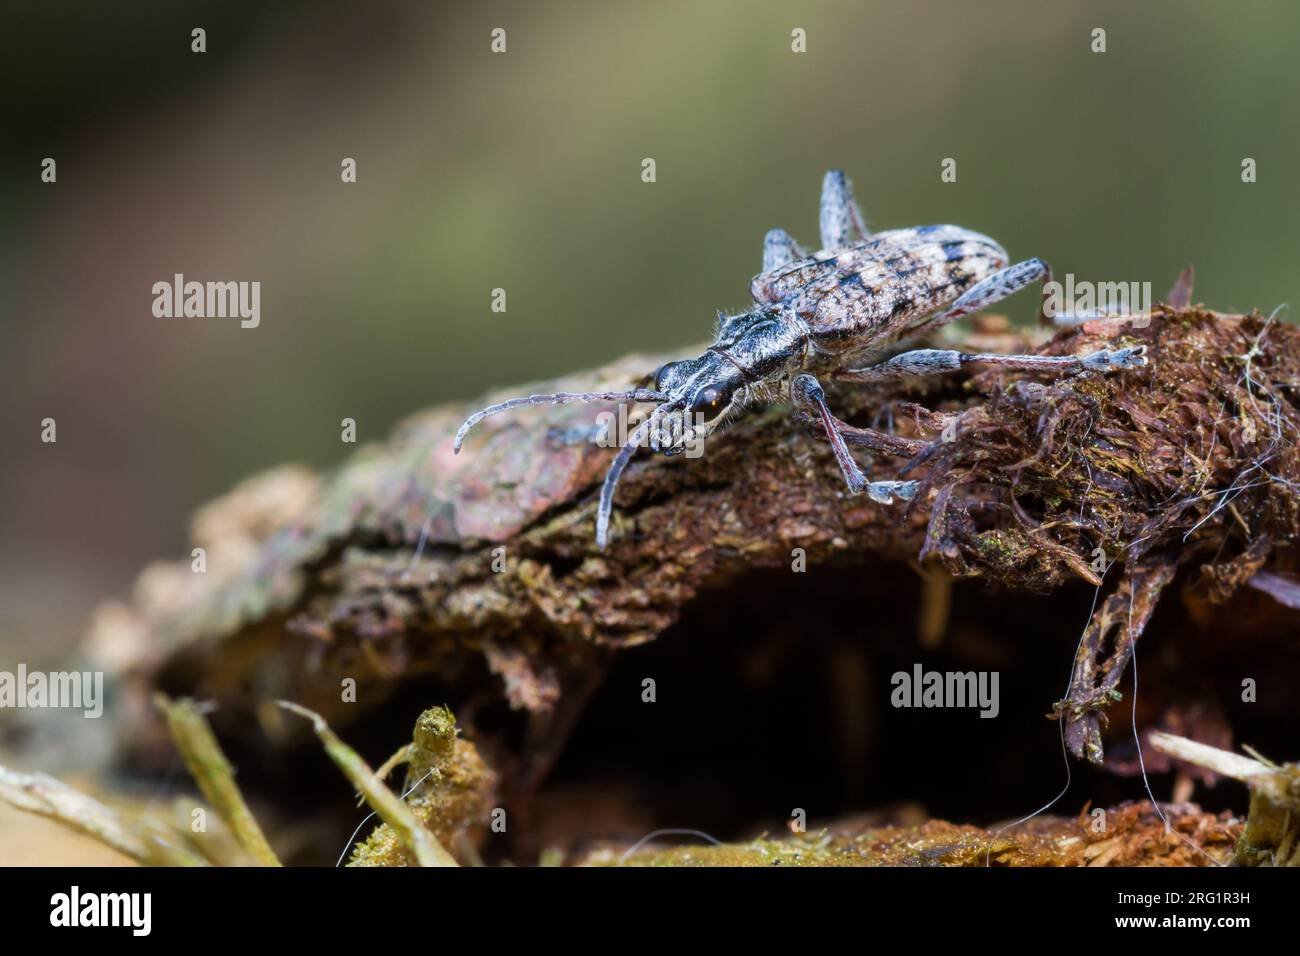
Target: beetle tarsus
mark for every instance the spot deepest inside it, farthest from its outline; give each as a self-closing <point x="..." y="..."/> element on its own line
<point x="886" y="491"/>
<point x="1106" y="360"/>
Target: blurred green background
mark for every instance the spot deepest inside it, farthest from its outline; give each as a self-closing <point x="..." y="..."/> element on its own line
<point x="522" y="171"/>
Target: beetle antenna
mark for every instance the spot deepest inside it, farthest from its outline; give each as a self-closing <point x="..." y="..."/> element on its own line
<point x="556" y="398"/>
<point x="620" y="462"/>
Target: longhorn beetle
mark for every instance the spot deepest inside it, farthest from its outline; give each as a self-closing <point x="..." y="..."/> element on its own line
<point x="824" y="314"/>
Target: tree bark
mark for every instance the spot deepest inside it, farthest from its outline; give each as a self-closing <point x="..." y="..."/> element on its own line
<point x="1025" y="480"/>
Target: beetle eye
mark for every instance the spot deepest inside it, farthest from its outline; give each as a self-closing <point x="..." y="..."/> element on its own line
<point x="660" y="378"/>
<point x="709" y="402"/>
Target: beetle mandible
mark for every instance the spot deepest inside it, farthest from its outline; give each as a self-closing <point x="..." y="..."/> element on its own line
<point x="824" y="314"/>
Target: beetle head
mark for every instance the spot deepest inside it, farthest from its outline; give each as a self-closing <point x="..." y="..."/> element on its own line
<point x="705" y="389"/>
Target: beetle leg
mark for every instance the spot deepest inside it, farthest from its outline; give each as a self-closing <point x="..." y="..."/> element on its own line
<point x="840" y="219"/>
<point x="807" y="393"/>
<point x="1002" y="284"/>
<point x="779" y="249"/>
<point x="920" y="362"/>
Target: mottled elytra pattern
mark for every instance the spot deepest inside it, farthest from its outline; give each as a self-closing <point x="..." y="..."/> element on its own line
<point x="877" y="287"/>
<point x="816" y="315"/>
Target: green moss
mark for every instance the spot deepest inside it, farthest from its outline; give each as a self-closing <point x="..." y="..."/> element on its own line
<point x="449" y="789"/>
<point x="1134" y="837"/>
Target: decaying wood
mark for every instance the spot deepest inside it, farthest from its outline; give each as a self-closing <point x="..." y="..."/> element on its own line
<point x="1271" y="836"/>
<point x="1134" y="835"/>
<point x="1098" y="669"/>
<point x="1025" y="480"/>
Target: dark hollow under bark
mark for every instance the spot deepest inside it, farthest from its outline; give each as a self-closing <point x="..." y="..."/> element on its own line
<point x="1177" y="476"/>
